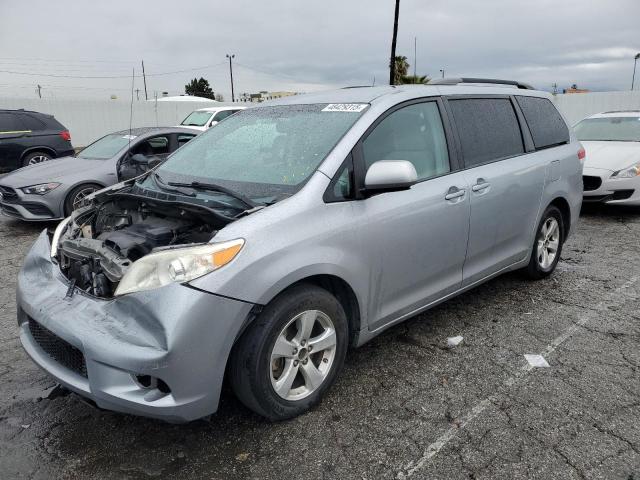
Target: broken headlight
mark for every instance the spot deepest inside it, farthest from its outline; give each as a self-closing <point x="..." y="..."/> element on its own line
<point x="177" y="265"/>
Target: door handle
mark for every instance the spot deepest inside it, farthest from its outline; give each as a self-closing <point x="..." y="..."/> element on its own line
<point x="453" y="194"/>
<point x="481" y="184"/>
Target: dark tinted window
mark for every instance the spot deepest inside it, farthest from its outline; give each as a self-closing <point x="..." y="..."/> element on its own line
<point x="545" y="123"/>
<point x="9" y="122"/>
<point x="413" y="133"/>
<point x="488" y="129"/>
<point x="32" y="123"/>
<point x="184" y="138"/>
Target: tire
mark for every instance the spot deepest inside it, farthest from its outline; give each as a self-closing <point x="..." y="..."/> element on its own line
<point x="549" y="238"/>
<point x="79" y="191"/>
<point x="36" y="157"/>
<point x="259" y="373"/>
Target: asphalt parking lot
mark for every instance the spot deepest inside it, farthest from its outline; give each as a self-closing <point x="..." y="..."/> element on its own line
<point x="406" y="406"/>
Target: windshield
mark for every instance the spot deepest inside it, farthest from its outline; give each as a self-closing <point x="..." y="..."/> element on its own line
<point x="197" y="119"/>
<point x="611" y="129"/>
<point x="264" y="151"/>
<point x="106" y="147"/>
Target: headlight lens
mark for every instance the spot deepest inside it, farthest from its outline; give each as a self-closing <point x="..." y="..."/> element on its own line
<point x="629" y="172"/>
<point x="56" y="236"/>
<point x="177" y="266"/>
<point x="41" y="188"/>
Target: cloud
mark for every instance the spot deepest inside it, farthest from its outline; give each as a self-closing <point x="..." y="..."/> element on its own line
<point x="304" y="46"/>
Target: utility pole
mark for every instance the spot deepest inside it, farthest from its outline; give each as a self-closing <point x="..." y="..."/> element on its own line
<point x="233" y="98"/>
<point x="635" y="61"/>
<point x="39" y="91"/>
<point x="137" y="94"/>
<point x="442" y="71"/>
<point x="415" y="56"/>
<point x="144" y="78"/>
<point x="392" y="64"/>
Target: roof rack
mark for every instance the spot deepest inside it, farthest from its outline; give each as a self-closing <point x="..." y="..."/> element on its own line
<point x="495" y="81"/>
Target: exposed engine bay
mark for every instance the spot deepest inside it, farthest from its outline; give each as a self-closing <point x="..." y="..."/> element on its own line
<point x="105" y="238"/>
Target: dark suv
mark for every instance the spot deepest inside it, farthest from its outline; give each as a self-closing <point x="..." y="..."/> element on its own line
<point x="31" y="137"/>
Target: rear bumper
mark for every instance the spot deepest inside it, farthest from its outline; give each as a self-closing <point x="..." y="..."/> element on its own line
<point x="624" y="191"/>
<point x="175" y="334"/>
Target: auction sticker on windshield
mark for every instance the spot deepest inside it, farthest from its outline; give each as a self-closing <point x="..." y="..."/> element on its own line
<point x="345" y="107"/>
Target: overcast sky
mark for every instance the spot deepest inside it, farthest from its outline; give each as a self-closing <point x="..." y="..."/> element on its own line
<point x="311" y="45"/>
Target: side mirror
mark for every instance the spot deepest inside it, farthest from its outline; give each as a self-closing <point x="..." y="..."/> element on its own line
<point x="389" y="176"/>
<point x="213" y="124"/>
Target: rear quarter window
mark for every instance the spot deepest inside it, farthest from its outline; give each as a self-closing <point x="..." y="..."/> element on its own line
<point x="32" y="123"/>
<point x="545" y="123"/>
<point x="488" y="129"/>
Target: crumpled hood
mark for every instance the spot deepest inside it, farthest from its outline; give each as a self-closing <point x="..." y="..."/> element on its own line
<point x="612" y="156"/>
<point x="52" y="170"/>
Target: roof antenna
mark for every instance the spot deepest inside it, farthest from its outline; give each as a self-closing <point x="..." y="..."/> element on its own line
<point x="133" y="78"/>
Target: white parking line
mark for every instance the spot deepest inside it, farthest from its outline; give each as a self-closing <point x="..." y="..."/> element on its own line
<point x="432" y="450"/>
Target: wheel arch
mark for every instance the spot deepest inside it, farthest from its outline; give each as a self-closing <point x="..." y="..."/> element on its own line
<point x="335" y="285"/>
<point x="73" y="187"/>
<point x="562" y="204"/>
<point x="39" y="148"/>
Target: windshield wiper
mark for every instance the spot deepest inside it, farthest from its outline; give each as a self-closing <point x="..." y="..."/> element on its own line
<point x="216" y="188"/>
<point x="166" y="186"/>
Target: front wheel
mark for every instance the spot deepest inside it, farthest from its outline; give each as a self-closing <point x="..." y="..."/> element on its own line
<point x="76" y="196"/>
<point x="547" y="245"/>
<point x="35" y="157"/>
<point x="292" y="353"/>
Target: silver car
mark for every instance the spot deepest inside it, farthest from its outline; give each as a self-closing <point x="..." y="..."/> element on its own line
<point x="267" y="246"/>
<point x="51" y="190"/>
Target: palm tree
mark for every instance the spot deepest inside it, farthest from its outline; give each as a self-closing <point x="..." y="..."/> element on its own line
<point x="392" y="63"/>
<point x="415" y="79"/>
<point x="401" y="69"/>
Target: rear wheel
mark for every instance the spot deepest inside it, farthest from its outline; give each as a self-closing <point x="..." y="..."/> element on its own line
<point x="547" y="246"/>
<point x="75" y="196"/>
<point x="292" y="353"/>
<point x="36" y="157"/>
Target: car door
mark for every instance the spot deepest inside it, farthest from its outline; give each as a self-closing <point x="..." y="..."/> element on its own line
<point x="416" y="239"/>
<point x="505" y="182"/>
<point x="13" y="135"/>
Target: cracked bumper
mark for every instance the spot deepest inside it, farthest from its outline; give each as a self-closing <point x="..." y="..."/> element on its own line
<point x="177" y="334"/>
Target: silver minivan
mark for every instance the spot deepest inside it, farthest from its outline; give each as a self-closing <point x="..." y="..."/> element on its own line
<point x="266" y="247"/>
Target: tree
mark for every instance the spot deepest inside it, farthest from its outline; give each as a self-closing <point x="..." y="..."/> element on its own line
<point x="199" y="88"/>
<point x="400" y="70"/>
<point x="415" y="79"/>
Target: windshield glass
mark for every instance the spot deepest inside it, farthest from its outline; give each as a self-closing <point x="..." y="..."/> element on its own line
<point x="264" y="151"/>
<point x="611" y="129"/>
<point x="106" y="147"/>
<point x="197" y="119"/>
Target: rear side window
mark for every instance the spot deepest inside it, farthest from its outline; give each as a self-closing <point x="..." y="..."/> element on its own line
<point x="32" y="123"/>
<point x="10" y="122"/>
<point x="545" y="123"/>
<point x="413" y="133"/>
<point x="488" y="129"/>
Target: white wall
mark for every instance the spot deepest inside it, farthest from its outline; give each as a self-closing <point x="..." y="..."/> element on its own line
<point x="88" y="120"/>
<point x="576" y="106"/>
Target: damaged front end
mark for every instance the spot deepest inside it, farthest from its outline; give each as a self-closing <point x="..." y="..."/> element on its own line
<point x="125" y="241"/>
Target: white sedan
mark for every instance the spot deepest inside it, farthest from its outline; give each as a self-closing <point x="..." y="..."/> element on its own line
<point x="612" y="167"/>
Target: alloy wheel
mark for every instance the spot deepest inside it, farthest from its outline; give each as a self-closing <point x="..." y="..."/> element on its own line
<point x="302" y="355"/>
<point x="37" y="159"/>
<point x="548" y="243"/>
<point x="77" y="199"/>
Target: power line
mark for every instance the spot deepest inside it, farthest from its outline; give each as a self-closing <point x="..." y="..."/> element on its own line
<point x="85" y="77"/>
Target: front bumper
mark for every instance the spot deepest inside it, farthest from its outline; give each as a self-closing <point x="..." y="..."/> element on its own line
<point x="625" y="191"/>
<point x="14" y="203"/>
<point x="179" y="335"/>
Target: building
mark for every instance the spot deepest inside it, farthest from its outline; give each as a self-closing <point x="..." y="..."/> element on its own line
<point x="574" y="89"/>
<point x="263" y="96"/>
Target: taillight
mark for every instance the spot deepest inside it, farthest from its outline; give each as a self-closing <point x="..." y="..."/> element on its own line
<point x="582" y="154"/>
<point x="66" y="135"/>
